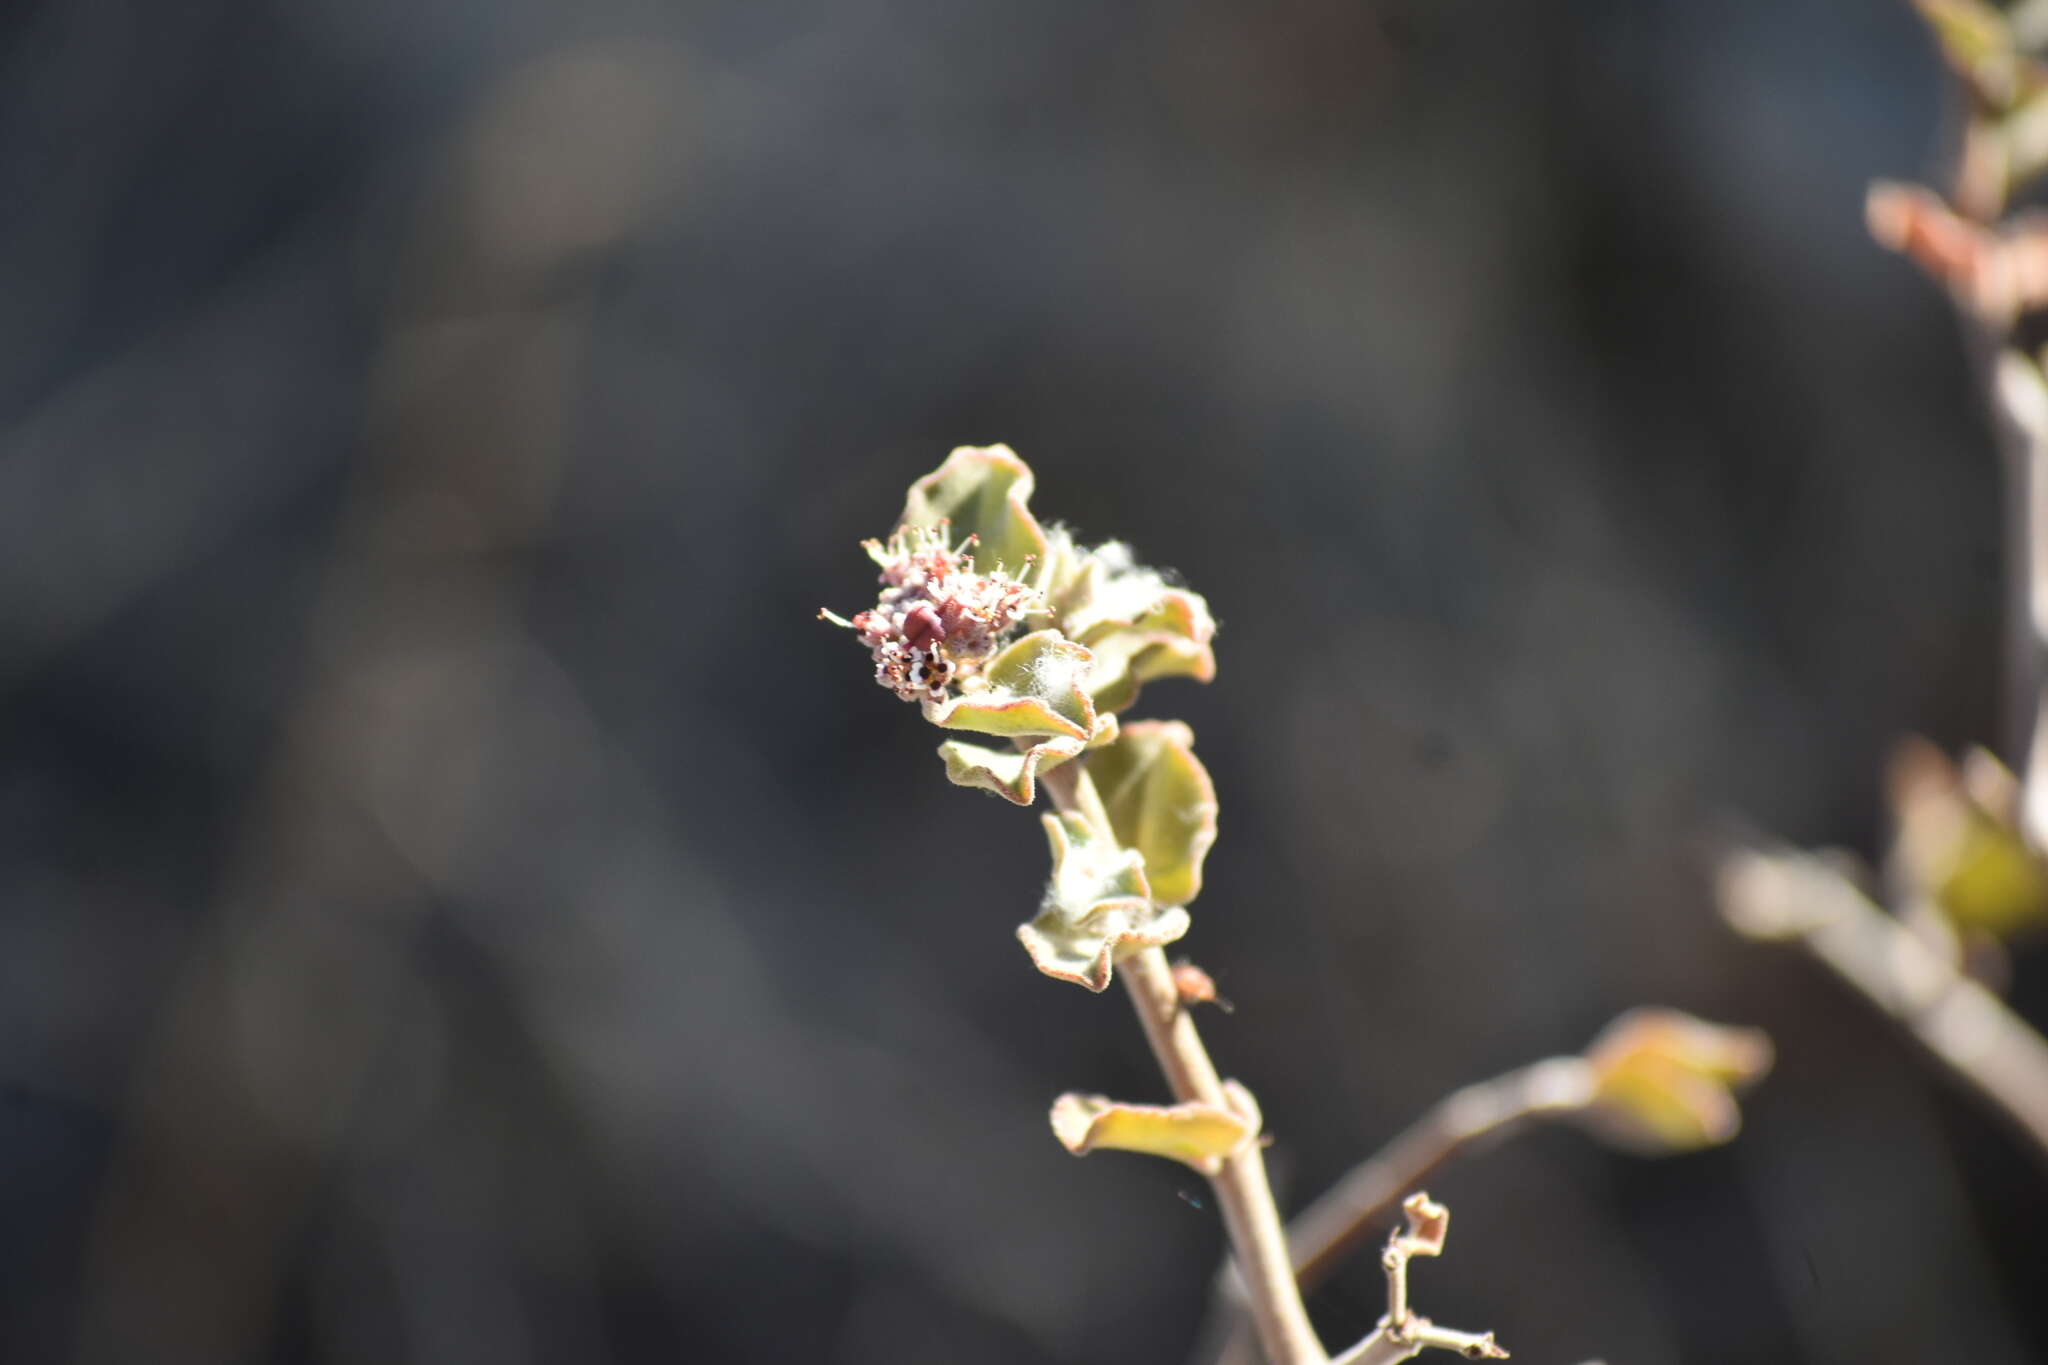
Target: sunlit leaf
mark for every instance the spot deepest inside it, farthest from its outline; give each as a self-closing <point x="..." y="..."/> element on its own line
<point x="1160" y="802"/>
<point x="1009" y="773"/>
<point x="1034" y="687"/>
<point x="1096" y="906"/>
<point x="1139" y="627"/>
<point x="1666" y="1081"/>
<point x="983" y="492"/>
<point x="1959" y="843"/>
<point x="1198" y="1134"/>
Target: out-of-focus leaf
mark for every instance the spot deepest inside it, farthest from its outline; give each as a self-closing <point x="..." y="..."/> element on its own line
<point x="1034" y="687"/>
<point x="1970" y="31"/>
<point x="1665" y="1081"/>
<point x="1980" y="46"/>
<point x="1097" y="906"/>
<point x="1198" y="1134"/>
<point x="983" y="491"/>
<point x="1958" y="843"/>
<point x="1160" y="802"/>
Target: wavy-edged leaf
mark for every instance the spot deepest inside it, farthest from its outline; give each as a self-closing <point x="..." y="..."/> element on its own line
<point x="1160" y="802"/>
<point x="1138" y="626"/>
<point x="1199" y="1135"/>
<point x="1009" y="773"/>
<point x="1171" y="641"/>
<point x="1034" y="687"/>
<point x="983" y="491"/>
<point x="1097" y="906"/>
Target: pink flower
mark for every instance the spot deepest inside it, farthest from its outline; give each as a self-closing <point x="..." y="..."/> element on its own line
<point x="937" y="621"/>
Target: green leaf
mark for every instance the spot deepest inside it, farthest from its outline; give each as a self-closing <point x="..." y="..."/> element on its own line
<point x="1160" y="802"/>
<point x="1006" y="772"/>
<point x="1138" y="626"/>
<point x="1665" y="1081"/>
<point x="1980" y="44"/>
<point x="1097" y="906"/>
<point x="1169" y="642"/>
<point x="1011" y="773"/>
<point x="1200" y="1135"/>
<point x="1034" y="687"/>
<point x="982" y="491"/>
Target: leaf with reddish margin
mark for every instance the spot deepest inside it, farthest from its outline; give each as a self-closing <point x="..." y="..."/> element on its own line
<point x="1034" y="687"/>
<point x="983" y="491"/>
<point x="1010" y="774"/>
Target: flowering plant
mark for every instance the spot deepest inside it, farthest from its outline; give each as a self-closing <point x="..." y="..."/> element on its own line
<point x="1009" y="630"/>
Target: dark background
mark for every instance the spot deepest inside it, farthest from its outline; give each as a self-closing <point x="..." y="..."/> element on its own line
<point x="456" y="904"/>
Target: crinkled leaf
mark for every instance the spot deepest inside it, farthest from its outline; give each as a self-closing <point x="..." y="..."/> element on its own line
<point x="1139" y="626"/>
<point x="982" y="491"/>
<point x="1171" y="641"/>
<point x="1666" y="1081"/>
<point x="1103" y="585"/>
<point x="1160" y="802"/>
<point x="1034" y="687"/>
<point x="1089" y="870"/>
<point x="1200" y="1135"/>
<point x="1097" y="906"/>
<point x="1062" y="561"/>
<point x="1009" y="773"/>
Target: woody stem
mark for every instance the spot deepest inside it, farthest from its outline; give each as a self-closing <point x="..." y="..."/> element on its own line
<point x="1257" y="1237"/>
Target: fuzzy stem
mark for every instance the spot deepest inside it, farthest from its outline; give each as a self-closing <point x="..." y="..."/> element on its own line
<point x="1250" y="1216"/>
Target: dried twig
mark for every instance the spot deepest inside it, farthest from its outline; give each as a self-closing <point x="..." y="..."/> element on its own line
<point x="1403" y="1333"/>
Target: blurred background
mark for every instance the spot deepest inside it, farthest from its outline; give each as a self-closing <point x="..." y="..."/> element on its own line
<point x="457" y="904"/>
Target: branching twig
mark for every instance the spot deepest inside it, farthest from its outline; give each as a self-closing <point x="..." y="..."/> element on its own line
<point x="1330" y="1229"/>
<point x="1402" y="1333"/>
<point x="1787" y="895"/>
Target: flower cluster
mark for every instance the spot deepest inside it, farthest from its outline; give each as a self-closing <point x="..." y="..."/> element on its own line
<point x="937" y="621"/>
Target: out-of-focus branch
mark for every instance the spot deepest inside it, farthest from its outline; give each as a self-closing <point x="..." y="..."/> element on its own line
<point x="1784" y="895"/>
<point x="1403" y="1334"/>
<point x="2021" y="402"/>
<point x="1329" y="1229"/>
